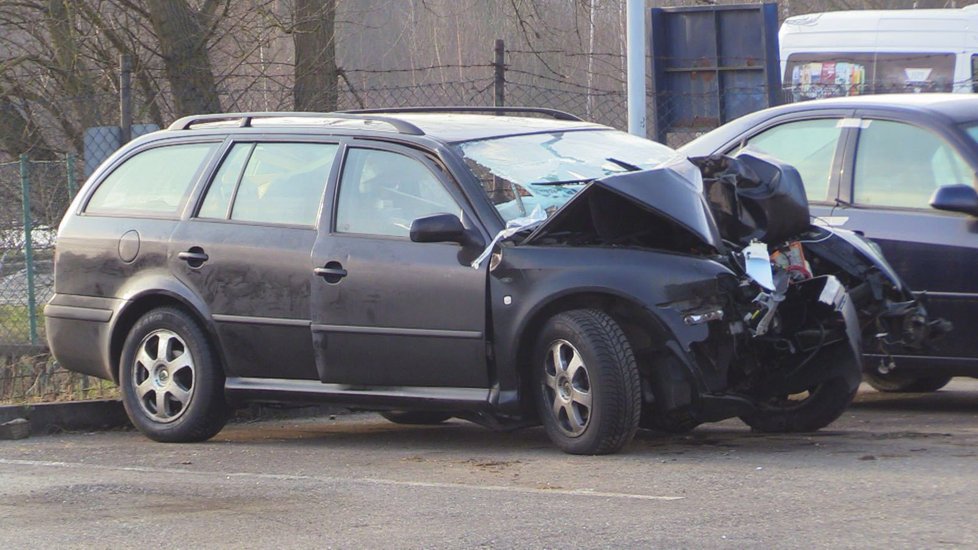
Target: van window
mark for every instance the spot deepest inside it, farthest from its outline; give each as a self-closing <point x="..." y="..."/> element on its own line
<point x="281" y="183"/>
<point x="901" y="165"/>
<point x="814" y="76"/>
<point x="154" y="181"/>
<point x="898" y="73"/>
<point x="835" y="74"/>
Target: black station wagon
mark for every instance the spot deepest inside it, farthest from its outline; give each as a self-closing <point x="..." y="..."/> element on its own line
<point x="429" y="264"/>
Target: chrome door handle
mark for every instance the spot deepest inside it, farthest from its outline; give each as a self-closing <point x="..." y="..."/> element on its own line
<point x="324" y="271"/>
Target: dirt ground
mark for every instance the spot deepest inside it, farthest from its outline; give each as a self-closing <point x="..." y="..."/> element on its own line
<point x="896" y="471"/>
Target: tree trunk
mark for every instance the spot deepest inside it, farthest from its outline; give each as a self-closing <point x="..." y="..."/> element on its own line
<point x="315" y="55"/>
<point x="19" y="134"/>
<point x="182" y="33"/>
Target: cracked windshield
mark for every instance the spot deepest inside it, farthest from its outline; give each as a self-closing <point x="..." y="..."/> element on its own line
<point x="521" y="174"/>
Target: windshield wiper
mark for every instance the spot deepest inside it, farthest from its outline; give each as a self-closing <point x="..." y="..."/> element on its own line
<point x="626" y="165"/>
<point x="563" y="182"/>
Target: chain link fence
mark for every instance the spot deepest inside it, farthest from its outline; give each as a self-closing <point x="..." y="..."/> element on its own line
<point x="35" y="195"/>
<point x="35" y="190"/>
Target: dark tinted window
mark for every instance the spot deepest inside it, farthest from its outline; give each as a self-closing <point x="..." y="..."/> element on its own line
<point x="154" y="181"/>
<point x="281" y="183"/>
<point x="382" y="192"/>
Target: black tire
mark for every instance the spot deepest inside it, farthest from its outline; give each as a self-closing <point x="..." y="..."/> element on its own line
<point x="178" y="398"/>
<point x="587" y="384"/>
<point x="822" y="405"/>
<point x="901" y="382"/>
<point x="423" y="418"/>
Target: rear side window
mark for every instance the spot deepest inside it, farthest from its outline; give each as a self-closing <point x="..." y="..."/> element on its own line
<point x="155" y="181"/>
<point x="280" y="183"/>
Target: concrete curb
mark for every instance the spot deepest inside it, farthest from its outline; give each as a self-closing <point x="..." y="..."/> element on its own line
<point x="69" y="416"/>
<point x="105" y="414"/>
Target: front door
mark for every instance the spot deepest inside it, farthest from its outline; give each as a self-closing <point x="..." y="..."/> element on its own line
<point x="388" y="312"/>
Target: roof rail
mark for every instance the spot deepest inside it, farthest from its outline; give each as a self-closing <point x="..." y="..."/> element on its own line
<point x="244" y="119"/>
<point x="553" y="113"/>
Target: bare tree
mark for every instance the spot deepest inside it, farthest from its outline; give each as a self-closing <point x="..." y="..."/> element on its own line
<point x="183" y="34"/>
<point x="313" y="35"/>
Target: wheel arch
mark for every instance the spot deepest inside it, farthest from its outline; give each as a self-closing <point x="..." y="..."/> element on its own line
<point x="642" y="327"/>
<point x="140" y="303"/>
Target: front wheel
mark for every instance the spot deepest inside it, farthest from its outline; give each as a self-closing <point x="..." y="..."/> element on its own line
<point x="587" y="383"/>
<point x="171" y="379"/>
<point x="896" y="382"/>
<point x="807" y="411"/>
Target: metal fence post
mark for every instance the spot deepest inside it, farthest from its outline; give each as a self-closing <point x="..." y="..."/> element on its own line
<point x="70" y="160"/>
<point x="125" y="97"/>
<point x="499" y="74"/>
<point x="25" y="186"/>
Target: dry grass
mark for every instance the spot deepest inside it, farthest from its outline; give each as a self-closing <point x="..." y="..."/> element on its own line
<point x="39" y="379"/>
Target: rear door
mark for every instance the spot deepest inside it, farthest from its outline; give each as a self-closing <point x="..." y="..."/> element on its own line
<point x="895" y="168"/>
<point x="245" y="250"/>
<point x="388" y="312"/>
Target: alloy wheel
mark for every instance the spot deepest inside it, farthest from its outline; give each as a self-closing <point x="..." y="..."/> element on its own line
<point x="568" y="388"/>
<point x="163" y="376"/>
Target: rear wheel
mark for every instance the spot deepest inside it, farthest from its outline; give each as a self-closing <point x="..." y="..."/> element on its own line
<point x="416" y="417"/>
<point x="899" y="382"/>
<point x="171" y="379"/>
<point x="807" y="411"/>
<point x="588" y="391"/>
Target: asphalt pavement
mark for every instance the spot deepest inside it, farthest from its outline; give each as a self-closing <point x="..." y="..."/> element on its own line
<point x="897" y="471"/>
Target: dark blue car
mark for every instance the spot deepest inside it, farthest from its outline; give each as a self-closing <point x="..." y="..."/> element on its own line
<point x="902" y="170"/>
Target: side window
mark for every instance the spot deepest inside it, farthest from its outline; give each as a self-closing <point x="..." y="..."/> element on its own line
<point x="382" y="192"/>
<point x="221" y="191"/>
<point x="809" y="146"/>
<point x="155" y="181"/>
<point x="271" y="183"/>
<point x="901" y="165"/>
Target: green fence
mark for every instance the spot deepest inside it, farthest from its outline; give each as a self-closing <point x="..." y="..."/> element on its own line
<point x="34" y="195"/>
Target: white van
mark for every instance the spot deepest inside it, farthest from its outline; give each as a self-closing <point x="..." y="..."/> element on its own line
<point x="879" y="51"/>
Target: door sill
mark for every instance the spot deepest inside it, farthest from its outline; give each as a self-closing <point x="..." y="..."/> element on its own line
<point x="281" y="390"/>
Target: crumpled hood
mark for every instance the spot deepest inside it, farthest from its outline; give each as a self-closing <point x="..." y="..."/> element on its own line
<point x="672" y="192"/>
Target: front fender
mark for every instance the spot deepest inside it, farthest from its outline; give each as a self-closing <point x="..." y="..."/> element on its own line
<point x="530" y="282"/>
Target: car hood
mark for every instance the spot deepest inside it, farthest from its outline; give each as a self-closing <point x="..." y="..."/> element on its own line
<point x="612" y="208"/>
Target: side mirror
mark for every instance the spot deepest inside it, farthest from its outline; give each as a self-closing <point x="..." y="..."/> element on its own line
<point x="443" y="228"/>
<point x="956" y="198"/>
